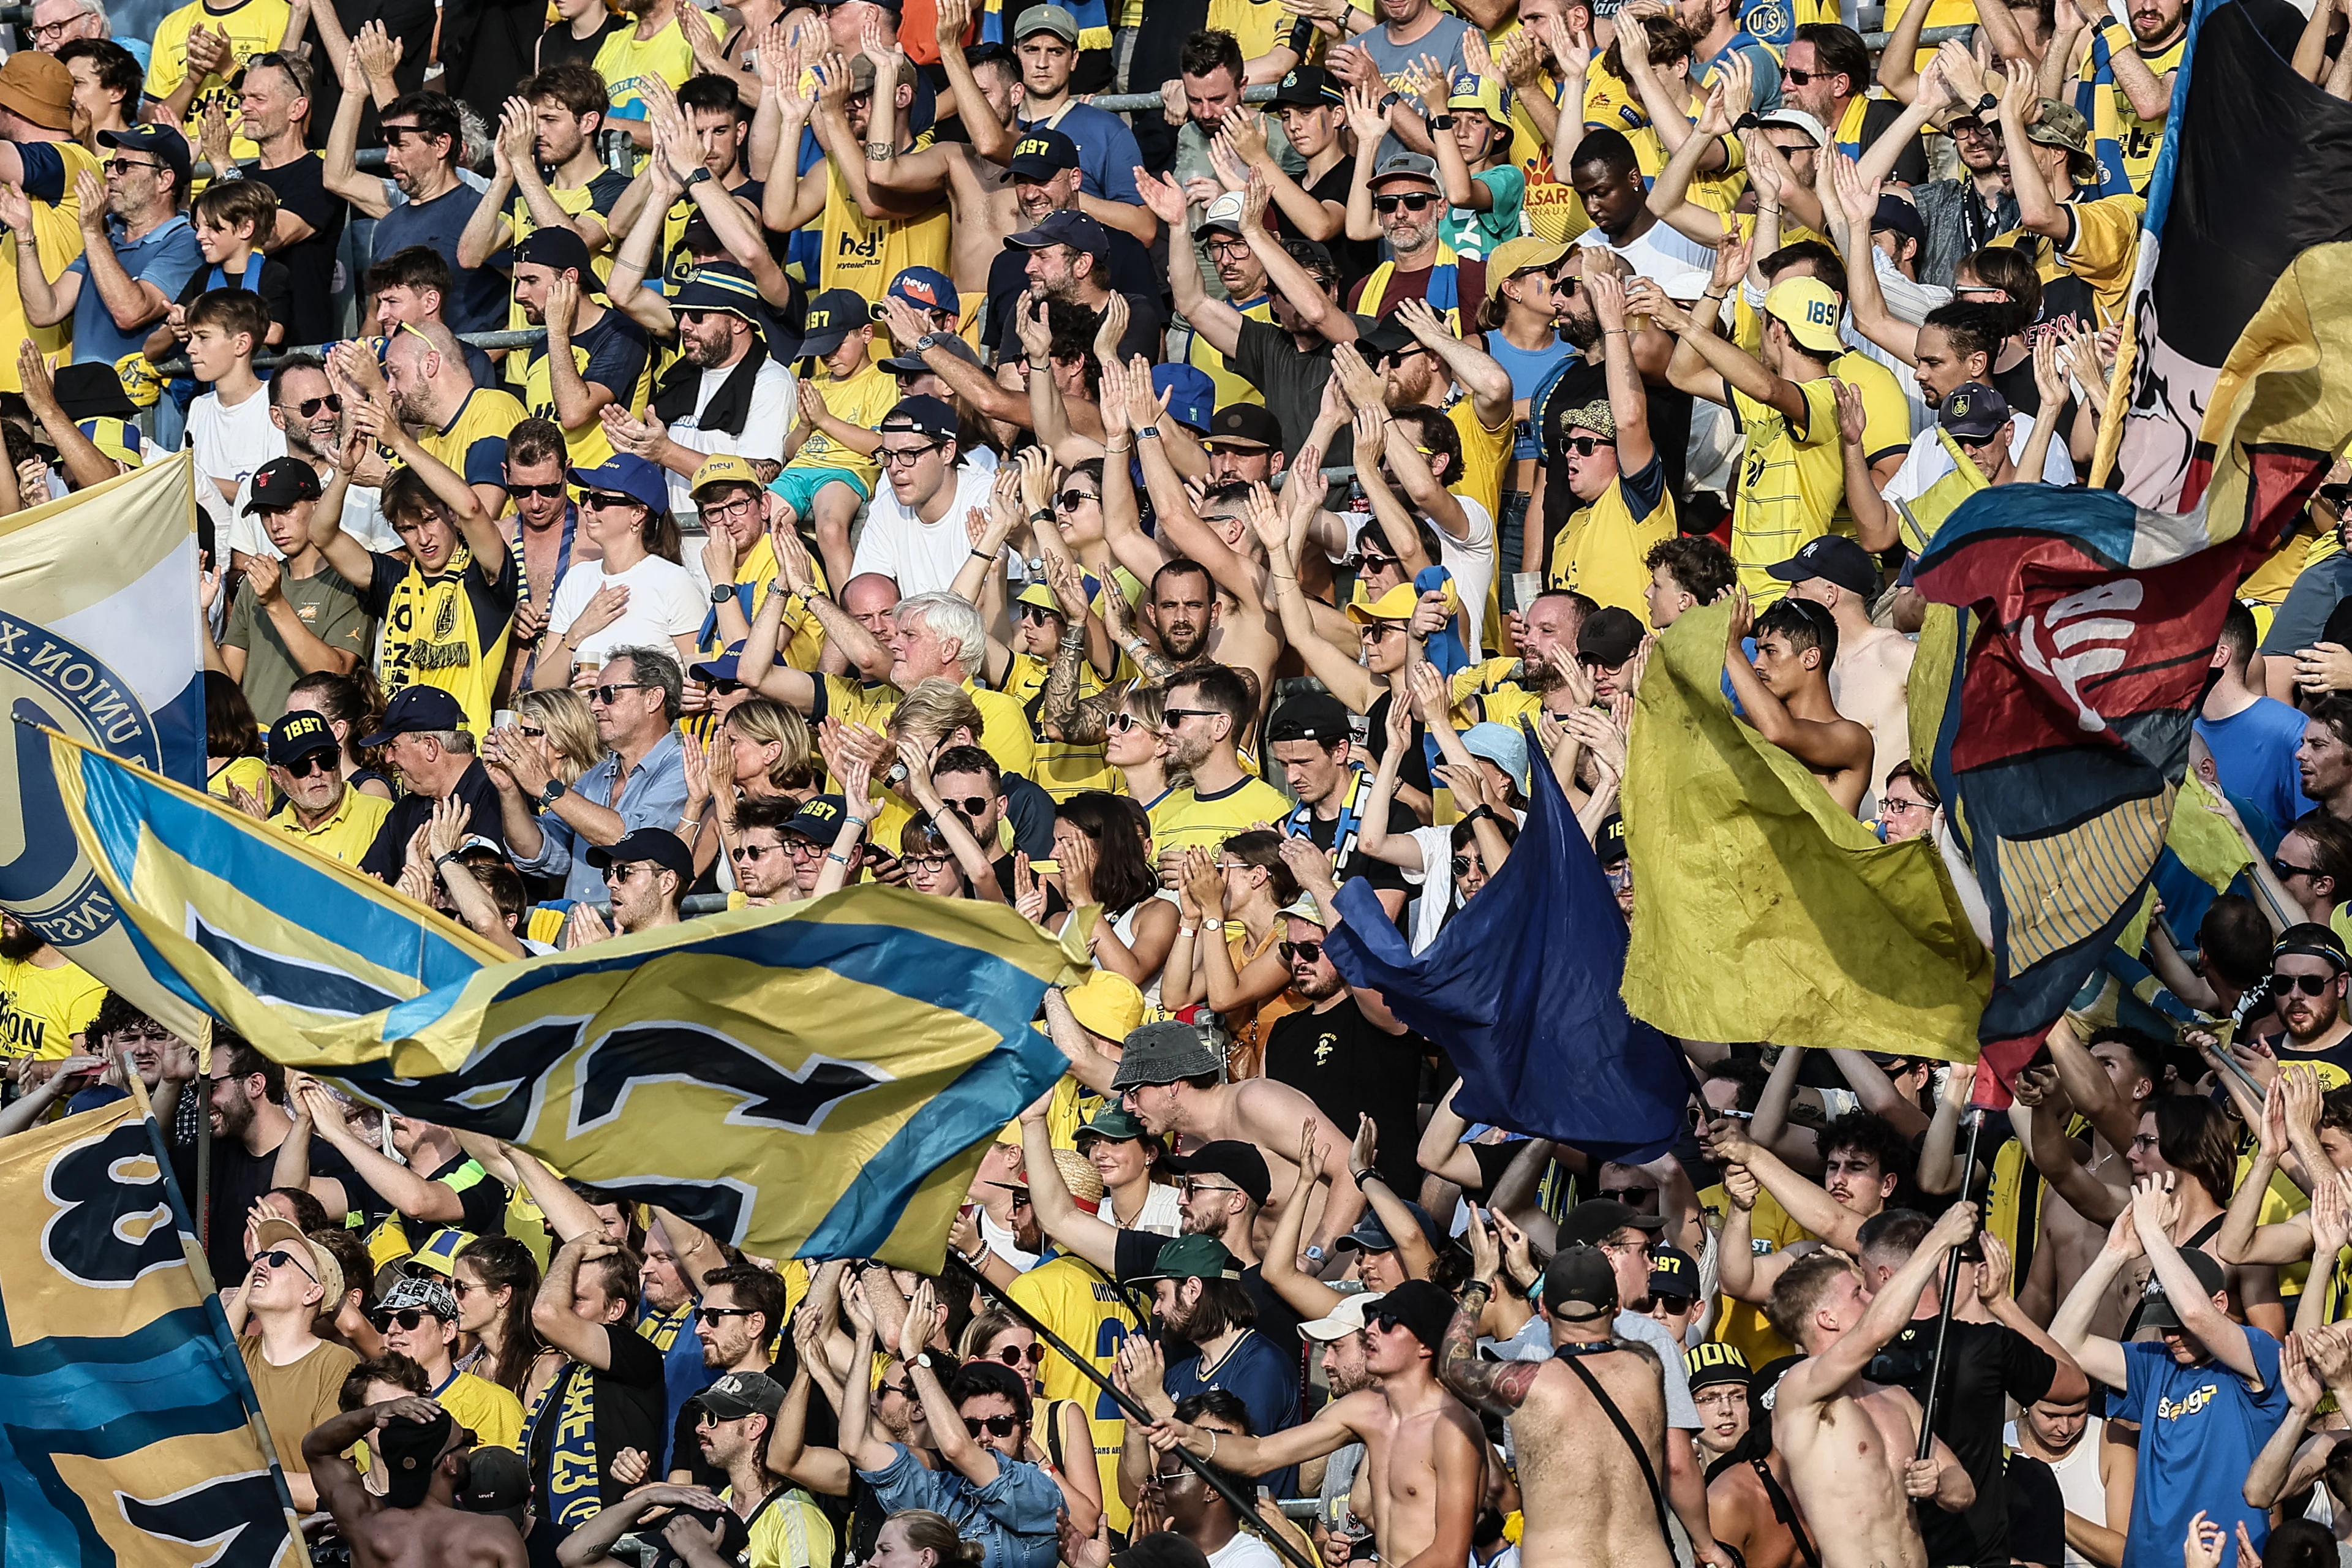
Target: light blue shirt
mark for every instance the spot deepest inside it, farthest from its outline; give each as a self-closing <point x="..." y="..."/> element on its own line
<point x="653" y="796"/>
<point x="1015" y="1518"/>
<point x="166" y="256"/>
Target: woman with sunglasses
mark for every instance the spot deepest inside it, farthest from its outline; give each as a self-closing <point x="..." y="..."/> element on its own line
<point x="1058" y="1429"/>
<point x="638" y="594"/>
<point x="351" y="705"/>
<point x="1242" y="978"/>
<point x="561" y="719"/>
<point x="495" y="1281"/>
<point x="1135" y="743"/>
<point x="760" y="751"/>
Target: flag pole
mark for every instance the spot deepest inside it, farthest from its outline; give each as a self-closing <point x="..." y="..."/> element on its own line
<point x="203" y="1214"/>
<point x="1976" y="1115"/>
<point x="1245" y="1508"/>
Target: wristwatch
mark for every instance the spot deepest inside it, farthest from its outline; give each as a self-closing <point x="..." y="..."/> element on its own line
<point x="556" y="790"/>
<point x="1391" y="101"/>
<point x="1147" y="433"/>
<point x="722" y="593"/>
<point x="923" y="1358"/>
<point x="1440" y="122"/>
<point x="929" y="340"/>
<point x="1314" y="1255"/>
<point x="1748" y="122"/>
<point x="1988" y="104"/>
<point x="695" y="178"/>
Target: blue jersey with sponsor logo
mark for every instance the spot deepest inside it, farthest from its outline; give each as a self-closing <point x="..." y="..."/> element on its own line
<point x="2200" y="1429"/>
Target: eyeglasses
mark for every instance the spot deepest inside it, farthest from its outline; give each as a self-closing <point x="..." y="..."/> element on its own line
<point x="2144" y="1141"/>
<point x="2309" y="985"/>
<point x="2283" y="871"/>
<point x="1802" y="78"/>
<point x="1171" y="717"/>
<point x="1419" y="201"/>
<point x="608" y="500"/>
<point x="926" y="865"/>
<point x="1013" y="1355"/>
<point x="544" y="492"/>
<point x="45" y="32"/>
<point x="332" y="403"/>
<point x="409" y="1317"/>
<point x="278" y="1258"/>
<point x="896" y="457"/>
<point x="995" y="1426"/>
<point x="124" y="165"/>
<point x="712" y="1314"/>
<point x="727" y="511"/>
<point x="303" y="768"/>
<point x="1224" y="247"/>
<point x="1312" y="952"/>
<point x="605" y="693"/>
<point x="1176" y="1476"/>
<point x="1585" y="446"/>
<point x="801" y="848"/>
<point x="754" y="851"/>
<point x="462" y="1289"/>
<point x="1070" y="500"/>
<point x="1038" y="614"/>
<point x="1892" y="803"/>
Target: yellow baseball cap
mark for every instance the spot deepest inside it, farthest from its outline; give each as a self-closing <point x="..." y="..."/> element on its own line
<point x="1810" y="308"/>
<point x="1107" y="1004"/>
<point x="1039" y="595"/>
<point x="725" y="468"/>
<point x="1480" y="96"/>
<point x="1526" y="254"/>
<point x="1397" y="605"/>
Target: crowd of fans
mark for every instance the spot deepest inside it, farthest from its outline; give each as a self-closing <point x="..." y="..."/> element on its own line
<point x="880" y="462"/>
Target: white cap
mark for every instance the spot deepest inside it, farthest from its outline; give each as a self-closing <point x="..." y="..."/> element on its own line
<point x="1347" y="1318"/>
<point x="1797" y="120"/>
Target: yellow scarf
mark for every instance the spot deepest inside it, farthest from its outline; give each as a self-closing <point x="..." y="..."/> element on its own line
<point x="431" y="638"/>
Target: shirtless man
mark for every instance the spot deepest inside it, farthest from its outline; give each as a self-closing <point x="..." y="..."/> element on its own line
<point x="1848" y="1442"/>
<point x="1874" y="662"/>
<point x="1748" y="1502"/>
<point x="413" y="1525"/>
<point x="1167" y="1078"/>
<point x="986" y="202"/>
<point x="1785" y="692"/>
<point x="1424" y="1452"/>
<point x="2109" y="1081"/>
<point x="1592" y="1489"/>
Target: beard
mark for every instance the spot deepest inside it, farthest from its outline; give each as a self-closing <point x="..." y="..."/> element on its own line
<point x="1582" y="329"/>
<point x="20" y="943"/>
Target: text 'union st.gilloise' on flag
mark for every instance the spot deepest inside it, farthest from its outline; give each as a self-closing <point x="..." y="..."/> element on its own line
<point x="813" y="1080"/>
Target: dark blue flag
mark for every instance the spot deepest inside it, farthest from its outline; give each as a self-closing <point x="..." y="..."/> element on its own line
<point x="1521" y="990"/>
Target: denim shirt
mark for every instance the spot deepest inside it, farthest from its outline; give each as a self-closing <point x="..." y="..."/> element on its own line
<point x="653" y="796"/>
<point x="1015" y="1518"/>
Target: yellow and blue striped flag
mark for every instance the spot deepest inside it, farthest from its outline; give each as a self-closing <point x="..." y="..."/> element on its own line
<point x="133" y="1437"/>
<point x="813" y="1080"/>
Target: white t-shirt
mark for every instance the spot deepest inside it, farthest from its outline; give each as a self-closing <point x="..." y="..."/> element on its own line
<point x="1928" y="461"/>
<point x="1243" y="1551"/>
<point x="364" y="520"/>
<point x="663" y="605"/>
<point x="2079" y="1485"/>
<point x="1472" y="562"/>
<point x="921" y="557"/>
<point x="773" y="399"/>
<point x="231" y="442"/>
<point x="1668" y="257"/>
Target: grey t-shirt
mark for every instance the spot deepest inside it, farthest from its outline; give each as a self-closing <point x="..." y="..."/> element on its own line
<point x="1443" y="40"/>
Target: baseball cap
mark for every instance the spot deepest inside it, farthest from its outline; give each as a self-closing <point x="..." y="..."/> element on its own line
<point x="658" y="844"/>
<point x="1673" y="1272"/>
<point x="1503" y="745"/>
<point x="1406" y="166"/>
<point x="1795" y="119"/>
<point x="1418" y="1307"/>
<point x="1054" y="19"/>
<point x="166" y="145"/>
<point x="561" y="250"/>
<point x="832" y="317"/>
<point x="298" y="735"/>
<point x="40" y="88"/>
<point x="439" y="1253"/>
<point x="1193" y="400"/>
<point x="1112" y="1122"/>
<point x="1107" y="1003"/>
<point x="498" y="1481"/>
<point x="89" y="390"/>
<point x="416" y="1290"/>
<point x="1483" y="95"/>
<point x="922" y="415"/>
<point x="724" y="468"/>
<point x="1307" y="87"/>
<point x="1075" y="229"/>
<point x="1239" y="1163"/>
<point x="928" y="287"/>
<point x="1900" y="216"/>
<point x="1609" y="637"/>
<point x="1809" y="308"/>
<point x="912" y="363"/>
<point x="1397" y="605"/>
<point x="1973" y="412"/>
<point x="1244" y="426"/>
<point x="1834" y="558"/>
<point x="741" y="1394"/>
<point x="727" y="665"/>
<point x="715" y="286"/>
<point x="1579" y="1284"/>
<point x="625" y="473"/>
<point x="1595" y="1220"/>
<point x="1309" y="716"/>
<point x="1163" y="1051"/>
<point x="2309" y="939"/>
<point x="281" y="482"/>
<point x="411" y="1450"/>
<point x="1041" y="153"/>
<point x="1526" y="254"/>
<point x="1371" y="1234"/>
<point x="1193" y="1258"/>
<point x="1039" y="595"/>
<point x="1609" y="842"/>
<point x="2158" y="1309"/>
<point x="1711" y="1362"/>
<point x="1343" y="1320"/>
<point x="819" y="818"/>
<point x="417" y="709"/>
<point x="1225" y="212"/>
<point x="309" y="1257"/>
<point x="1385" y="338"/>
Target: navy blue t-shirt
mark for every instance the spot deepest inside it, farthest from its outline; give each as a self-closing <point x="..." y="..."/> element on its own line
<point x="1263" y="1378"/>
<point x="480" y="305"/>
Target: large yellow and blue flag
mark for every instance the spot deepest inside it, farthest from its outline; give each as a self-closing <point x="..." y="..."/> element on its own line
<point x="98" y="614"/>
<point x="814" y="1081"/>
<point x="133" y="1436"/>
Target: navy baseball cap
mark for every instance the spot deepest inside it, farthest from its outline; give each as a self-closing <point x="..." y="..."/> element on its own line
<point x="158" y="141"/>
<point x="658" y="844"/>
<point x="1040" y="153"/>
<point x="1075" y="229"/>
<point x="926" y="289"/>
<point x="922" y="415"/>
<point x="1308" y="87"/>
<point x="561" y="250"/>
<point x="298" y="735"/>
<point x="417" y="709"/>
<point x="625" y="473"/>
<point x="1193" y="402"/>
<point x="1834" y="558"/>
<point x="832" y="317"/>
<point x="1973" y="412"/>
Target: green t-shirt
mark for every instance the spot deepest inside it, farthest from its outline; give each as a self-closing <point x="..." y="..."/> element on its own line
<point x="1474" y="235"/>
<point x="331" y="611"/>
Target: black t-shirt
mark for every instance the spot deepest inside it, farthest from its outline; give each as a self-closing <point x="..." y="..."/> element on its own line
<point x="627" y="1399"/>
<point x="1347" y="1067"/>
<point x="301" y="188"/>
<point x="1268" y="358"/>
<point x="411" y="811"/>
<point x="238" y="1180"/>
<point x="1982" y="1361"/>
<point x="1911" y="164"/>
<point x="410" y="22"/>
<point x="1413" y="771"/>
<point x="274" y="283"/>
<point x="482" y="1202"/>
<point x="2037" y="1513"/>
<point x="1130" y="272"/>
<point x="1353" y="864"/>
<point x="1354" y="257"/>
<point x="558" y="44"/>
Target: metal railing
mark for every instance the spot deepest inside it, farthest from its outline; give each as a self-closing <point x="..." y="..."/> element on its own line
<point x="518" y="338"/>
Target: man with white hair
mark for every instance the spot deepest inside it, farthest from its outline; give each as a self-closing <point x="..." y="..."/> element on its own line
<point x="57" y="23"/>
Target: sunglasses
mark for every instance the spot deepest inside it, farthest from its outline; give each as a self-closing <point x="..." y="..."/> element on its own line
<point x="1188" y="1186"/>
<point x="604" y="694"/>
<point x="723" y="687"/>
<point x="1367" y="560"/>
<point x="1464" y="864"/>
<point x="1013" y="1355"/>
<point x="2309" y="985"/>
<point x="1585" y="446"/>
<point x="995" y="1426"/>
<point x="712" y="1314"/>
<point x="1632" y="1197"/>
<point x="528" y="730"/>
<point x="1419" y="201"/>
<point x="1801" y="78"/>
<point x="1386" y="1322"/>
<point x="1291" y="951"/>
<point x="1171" y="717"/>
<point x="1070" y="500"/>
<point x="970" y="805"/>
<point x="409" y="1317"/>
<point x="1673" y="1305"/>
<point x="1120" y="723"/>
<point x="900" y="1389"/>
<point x="332" y="403"/>
<point x="124" y="165"/>
<point x="316" y="763"/>
<point x="753" y="851"/>
<point x="1037" y="614"/>
<point x="278" y="1258"/>
<point x="609" y="500"/>
<point x="544" y="492"/>
<point x="2283" y="870"/>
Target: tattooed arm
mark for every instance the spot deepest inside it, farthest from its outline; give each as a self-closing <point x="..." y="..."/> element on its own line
<point x="1500" y="1386"/>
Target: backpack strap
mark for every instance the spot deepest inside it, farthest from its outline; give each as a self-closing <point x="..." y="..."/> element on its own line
<point x="1625" y="1430"/>
<point x="1785" y="1511"/>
